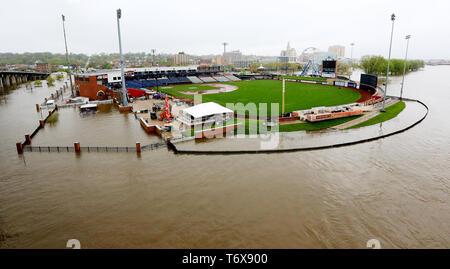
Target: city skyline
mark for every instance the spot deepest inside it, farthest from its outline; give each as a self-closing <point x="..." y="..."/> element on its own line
<point x="91" y="27"/>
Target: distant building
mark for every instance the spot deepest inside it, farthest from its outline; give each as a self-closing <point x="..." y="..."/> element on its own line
<point x="244" y="63"/>
<point x="288" y="56"/>
<point x="205" y="61"/>
<point x="43" y="67"/>
<point x="338" y="49"/>
<point x="235" y="56"/>
<point x="320" y="56"/>
<point x="220" y="61"/>
<point x="181" y="59"/>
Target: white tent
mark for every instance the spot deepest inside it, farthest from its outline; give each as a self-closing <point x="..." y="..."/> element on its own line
<point x="205" y="113"/>
<point x="206" y="109"/>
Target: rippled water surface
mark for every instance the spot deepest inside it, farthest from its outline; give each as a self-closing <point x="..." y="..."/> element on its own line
<point x="394" y="189"/>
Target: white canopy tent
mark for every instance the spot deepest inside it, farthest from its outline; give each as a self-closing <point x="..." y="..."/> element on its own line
<point x="205" y="113"/>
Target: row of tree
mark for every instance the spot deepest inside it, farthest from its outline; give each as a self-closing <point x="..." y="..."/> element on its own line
<point x="378" y="65"/>
<point x="102" y="60"/>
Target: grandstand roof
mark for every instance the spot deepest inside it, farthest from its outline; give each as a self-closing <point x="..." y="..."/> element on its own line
<point x="206" y="109"/>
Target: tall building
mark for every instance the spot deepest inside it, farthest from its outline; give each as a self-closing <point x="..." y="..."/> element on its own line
<point x="235" y="56"/>
<point x="181" y="59"/>
<point x="289" y="55"/>
<point x="320" y="56"/>
<point x="219" y="60"/>
<point x="338" y="49"/>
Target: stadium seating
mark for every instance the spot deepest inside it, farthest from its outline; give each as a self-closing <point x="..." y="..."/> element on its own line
<point x="207" y="79"/>
<point x="232" y="78"/>
<point x="184" y="80"/>
<point x="194" y="79"/>
<point x="163" y="80"/>
<point x="174" y="80"/>
<point x="220" y="78"/>
<point x="152" y="82"/>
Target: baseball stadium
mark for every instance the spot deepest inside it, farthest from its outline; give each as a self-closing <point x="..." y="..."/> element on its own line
<point x="161" y="99"/>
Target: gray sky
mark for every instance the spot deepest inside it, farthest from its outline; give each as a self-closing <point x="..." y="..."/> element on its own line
<point x="254" y="27"/>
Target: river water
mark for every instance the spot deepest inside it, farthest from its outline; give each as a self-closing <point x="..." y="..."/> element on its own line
<point x="395" y="189"/>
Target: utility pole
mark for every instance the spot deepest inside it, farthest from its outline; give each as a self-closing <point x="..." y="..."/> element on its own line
<point x="389" y="62"/>
<point x="153" y="61"/>
<point x="67" y="55"/>
<point x="351" y="60"/>
<point x="124" y="90"/>
<point x="284" y="87"/>
<point x="404" y="65"/>
<point x="224" y="51"/>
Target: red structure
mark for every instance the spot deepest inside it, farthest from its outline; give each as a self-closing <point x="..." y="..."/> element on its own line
<point x="136" y="92"/>
<point x="165" y="114"/>
<point x="93" y="87"/>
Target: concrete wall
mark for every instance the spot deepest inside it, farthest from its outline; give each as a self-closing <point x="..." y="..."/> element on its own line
<point x="216" y="131"/>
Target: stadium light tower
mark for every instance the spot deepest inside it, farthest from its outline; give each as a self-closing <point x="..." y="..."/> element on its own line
<point x="67" y="55"/>
<point x="351" y="59"/>
<point x="404" y="65"/>
<point x="389" y="62"/>
<point x="153" y="61"/>
<point x="224" y="51"/>
<point x="124" y="90"/>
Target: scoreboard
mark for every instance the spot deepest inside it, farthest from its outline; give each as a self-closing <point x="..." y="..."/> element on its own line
<point x="329" y="68"/>
<point x="368" y="82"/>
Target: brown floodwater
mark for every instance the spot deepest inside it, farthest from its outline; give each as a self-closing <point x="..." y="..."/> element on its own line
<point x="396" y="190"/>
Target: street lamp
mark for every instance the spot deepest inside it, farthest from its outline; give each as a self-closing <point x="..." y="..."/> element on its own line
<point x="404" y="65"/>
<point x="124" y="90"/>
<point x="389" y="62"/>
<point x="67" y="55"/>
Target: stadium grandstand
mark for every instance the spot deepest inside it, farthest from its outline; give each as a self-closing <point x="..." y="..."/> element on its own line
<point x="194" y="79"/>
<point x="232" y="78"/>
<point x="207" y="79"/>
<point x="94" y="83"/>
<point x="220" y="78"/>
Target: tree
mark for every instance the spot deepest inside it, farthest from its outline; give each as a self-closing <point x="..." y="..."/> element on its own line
<point x="343" y="68"/>
<point x="106" y="65"/>
<point x="378" y="65"/>
<point x="37" y="83"/>
<point x="50" y="81"/>
<point x="373" y="64"/>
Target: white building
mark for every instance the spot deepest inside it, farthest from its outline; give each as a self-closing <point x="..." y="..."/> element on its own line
<point x="181" y="58"/>
<point x="289" y="55"/>
<point x="338" y="49"/>
<point x="205" y="113"/>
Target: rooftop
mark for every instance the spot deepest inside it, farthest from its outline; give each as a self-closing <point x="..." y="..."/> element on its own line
<point x="206" y="109"/>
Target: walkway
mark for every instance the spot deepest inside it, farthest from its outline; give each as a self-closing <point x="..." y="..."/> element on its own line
<point x="367" y="116"/>
<point x="413" y="114"/>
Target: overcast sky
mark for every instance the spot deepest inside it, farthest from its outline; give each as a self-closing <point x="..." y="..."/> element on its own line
<point x="253" y="27"/>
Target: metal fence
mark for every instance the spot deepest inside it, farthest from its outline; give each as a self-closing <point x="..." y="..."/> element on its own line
<point x="30" y="148"/>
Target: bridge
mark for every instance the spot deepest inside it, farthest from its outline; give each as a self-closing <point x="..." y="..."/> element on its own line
<point x="9" y="78"/>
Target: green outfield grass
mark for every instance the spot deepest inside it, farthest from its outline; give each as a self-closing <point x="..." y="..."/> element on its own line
<point x="305" y="78"/>
<point x="298" y="95"/>
<point x="390" y="112"/>
<point x="252" y="126"/>
<point x="312" y="126"/>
